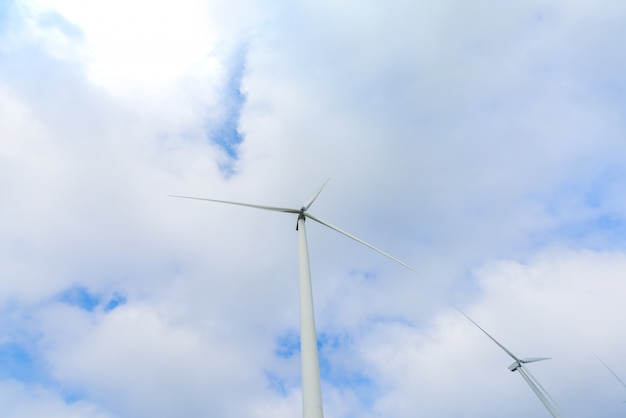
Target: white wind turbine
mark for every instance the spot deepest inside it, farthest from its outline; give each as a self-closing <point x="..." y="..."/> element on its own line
<point x="311" y="385"/>
<point x="518" y="366"/>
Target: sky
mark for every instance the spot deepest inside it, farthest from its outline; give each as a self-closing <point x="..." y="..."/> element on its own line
<point x="482" y="143"/>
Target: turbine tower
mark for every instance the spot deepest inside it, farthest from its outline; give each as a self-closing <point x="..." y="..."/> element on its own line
<point x="518" y="365"/>
<point x="311" y="382"/>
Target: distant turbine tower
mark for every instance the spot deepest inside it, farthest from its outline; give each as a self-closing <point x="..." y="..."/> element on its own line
<point x="612" y="372"/>
<point x="518" y="365"/>
<point x="311" y="384"/>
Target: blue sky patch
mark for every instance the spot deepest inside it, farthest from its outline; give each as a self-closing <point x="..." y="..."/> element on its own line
<point x="17" y="363"/>
<point x="115" y="301"/>
<point x="363" y="274"/>
<point x="326" y="343"/>
<point x="52" y="19"/>
<point x="226" y="133"/>
<point x="71" y="396"/>
<point x="288" y="345"/>
<point x="332" y="371"/>
<point x="600" y="232"/>
<point x="23" y="364"/>
<point x="7" y="10"/>
<point x="329" y="341"/>
<point x="344" y="377"/>
<point x="276" y="383"/>
<point x="81" y="298"/>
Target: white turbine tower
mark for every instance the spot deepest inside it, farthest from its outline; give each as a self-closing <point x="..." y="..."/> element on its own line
<point x="311" y="384"/>
<point x="518" y="365"/>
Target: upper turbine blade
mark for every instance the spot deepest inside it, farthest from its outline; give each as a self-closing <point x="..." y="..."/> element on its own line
<point x="612" y="372"/>
<point x="311" y="199"/>
<point x="272" y="208"/>
<point x="493" y="339"/>
<point x="358" y="240"/>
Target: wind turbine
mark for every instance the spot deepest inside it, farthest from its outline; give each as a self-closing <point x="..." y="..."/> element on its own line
<point x="518" y="365"/>
<point x="311" y="384"/>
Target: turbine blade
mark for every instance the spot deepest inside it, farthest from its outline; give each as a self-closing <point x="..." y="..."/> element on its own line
<point x="541" y="393"/>
<point x="487" y="334"/>
<point x="555" y="405"/>
<point x="311" y="199"/>
<point x="612" y="372"/>
<point x="533" y="359"/>
<point x="316" y="219"/>
<point x="271" y="208"/>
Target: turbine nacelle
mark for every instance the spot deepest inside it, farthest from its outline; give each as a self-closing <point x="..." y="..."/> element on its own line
<point x="301" y="215"/>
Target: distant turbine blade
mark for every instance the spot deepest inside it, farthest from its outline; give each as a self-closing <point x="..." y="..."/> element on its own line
<point x="311" y="199"/>
<point x="533" y="359"/>
<point x="612" y="372"/>
<point x="271" y="208"/>
<point x="316" y="219"/>
<point x="492" y="339"/>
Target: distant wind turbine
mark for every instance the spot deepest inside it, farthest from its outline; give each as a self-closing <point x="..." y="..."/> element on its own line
<point x="311" y="384"/>
<point x="518" y="365"/>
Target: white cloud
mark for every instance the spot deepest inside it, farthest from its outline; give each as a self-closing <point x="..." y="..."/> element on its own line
<point x="466" y="140"/>
<point x="139" y="40"/>
<point x="19" y="400"/>
<point x="143" y="362"/>
<point x="563" y="304"/>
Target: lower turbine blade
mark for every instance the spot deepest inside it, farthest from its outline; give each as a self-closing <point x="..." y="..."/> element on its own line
<point x="555" y="406"/>
<point x="541" y="393"/>
<point x="358" y="240"/>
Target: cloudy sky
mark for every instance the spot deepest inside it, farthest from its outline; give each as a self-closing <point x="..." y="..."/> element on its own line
<point x="482" y="143"/>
